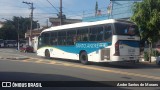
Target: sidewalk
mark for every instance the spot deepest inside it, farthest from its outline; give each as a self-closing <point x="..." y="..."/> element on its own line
<point x="12" y="54"/>
<point x="147" y="62"/>
<point x="153" y="60"/>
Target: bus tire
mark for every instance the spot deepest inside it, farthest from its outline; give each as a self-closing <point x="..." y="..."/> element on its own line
<point x="83" y="58"/>
<point x="47" y="54"/>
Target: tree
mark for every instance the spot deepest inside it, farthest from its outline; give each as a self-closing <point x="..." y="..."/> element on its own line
<point x="146" y="15"/>
<point x="17" y="25"/>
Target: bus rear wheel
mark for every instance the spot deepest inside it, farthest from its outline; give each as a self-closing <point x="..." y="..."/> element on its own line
<point x="47" y="54"/>
<point x="84" y="58"/>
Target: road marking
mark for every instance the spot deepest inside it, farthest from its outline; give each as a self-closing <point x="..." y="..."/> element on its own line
<point x="90" y="68"/>
<point x="120" y="72"/>
<point x="106" y="70"/>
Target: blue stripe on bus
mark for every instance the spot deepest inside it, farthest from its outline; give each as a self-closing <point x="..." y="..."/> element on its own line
<point x="88" y="47"/>
<point x="130" y="43"/>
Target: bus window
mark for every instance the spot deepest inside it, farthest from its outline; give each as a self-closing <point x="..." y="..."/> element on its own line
<point x="82" y="34"/>
<point x="125" y="29"/>
<point x="96" y="34"/>
<point x="62" y="38"/>
<point x="71" y="37"/>
<point x="54" y="38"/>
<point x="107" y="33"/>
<point x="44" y="39"/>
<point x="40" y="42"/>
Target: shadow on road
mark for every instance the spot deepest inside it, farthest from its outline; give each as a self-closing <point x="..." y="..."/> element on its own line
<point x="129" y="65"/>
<point x="59" y="82"/>
<point x="121" y="65"/>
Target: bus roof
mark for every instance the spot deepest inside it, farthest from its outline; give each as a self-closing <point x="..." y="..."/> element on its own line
<point x="84" y="24"/>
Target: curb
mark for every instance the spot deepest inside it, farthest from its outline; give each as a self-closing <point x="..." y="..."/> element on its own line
<point x="15" y="58"/>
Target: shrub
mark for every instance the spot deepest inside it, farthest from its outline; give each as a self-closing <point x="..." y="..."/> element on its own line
<point x="155" y="53"/>
<point x="146" y="57"/>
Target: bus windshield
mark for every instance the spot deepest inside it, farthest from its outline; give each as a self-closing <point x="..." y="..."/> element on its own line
<point x="126" y="29"/>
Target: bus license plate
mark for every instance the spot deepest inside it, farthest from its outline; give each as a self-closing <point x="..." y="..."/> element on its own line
<point x="131" y="50"/>
<point x="131" y="57"/>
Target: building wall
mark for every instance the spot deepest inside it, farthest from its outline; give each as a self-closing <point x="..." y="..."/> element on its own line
<point x="1" y="24"/>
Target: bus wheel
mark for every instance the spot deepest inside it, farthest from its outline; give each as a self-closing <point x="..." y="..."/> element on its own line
<point x="47" y="54"/>
<point x="84" y="58"/>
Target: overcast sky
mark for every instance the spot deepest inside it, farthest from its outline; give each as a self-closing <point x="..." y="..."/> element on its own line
<point x="43" y="10"/>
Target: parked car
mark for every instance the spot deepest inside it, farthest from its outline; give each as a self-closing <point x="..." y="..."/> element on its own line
<point x="10" y="43"/>
<point x="158" y="60"/>
<point x="1" y="43"/>
<point x="26" y="49"/>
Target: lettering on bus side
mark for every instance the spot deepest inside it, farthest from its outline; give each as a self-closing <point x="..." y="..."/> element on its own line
<point x="90" y="45"/>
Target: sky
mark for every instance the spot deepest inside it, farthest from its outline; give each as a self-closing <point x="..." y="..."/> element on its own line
<point x="73" y="9"/>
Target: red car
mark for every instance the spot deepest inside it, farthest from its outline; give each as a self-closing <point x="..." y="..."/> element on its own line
<point x="26" y="49"/>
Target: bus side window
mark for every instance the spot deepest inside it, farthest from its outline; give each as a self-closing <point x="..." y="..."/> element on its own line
<point x="53" y="39"/>
<point x="100" y="34"/>
<point x="40" y="41"/>
<point x="82" y="34"/>
<point x="44" y="39"/>
<point x="96" y="34"/>
<point x="107" y="33"/>
<point x="62" y="38"/>
<point x="71" y="37"/>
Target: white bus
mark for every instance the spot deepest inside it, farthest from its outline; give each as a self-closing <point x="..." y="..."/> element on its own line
<point x="101" y="41"/>
<point x="1" y="43"/>
<point x="10" y="43"/>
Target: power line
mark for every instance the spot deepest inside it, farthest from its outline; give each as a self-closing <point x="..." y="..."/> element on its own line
<point x="52" y="5"/>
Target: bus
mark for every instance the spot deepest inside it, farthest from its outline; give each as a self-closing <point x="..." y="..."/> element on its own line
<point x="10" y="43"/>
<point x="1" y="43"/>
<point x="101" y="41"/>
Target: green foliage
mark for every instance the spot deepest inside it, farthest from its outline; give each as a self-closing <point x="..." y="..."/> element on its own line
<point x="146" y="15"/>
<point x="146" y="57"/>
<point x="10" y="29"/>
<point x="155" y="53"/>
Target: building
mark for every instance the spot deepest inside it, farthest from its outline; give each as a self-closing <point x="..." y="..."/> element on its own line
<point x="56" y="21"/>
<point x="35" y="34"/>
<point x="1" y="24"/>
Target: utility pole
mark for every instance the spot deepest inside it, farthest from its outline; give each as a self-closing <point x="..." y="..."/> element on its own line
<point x="61" y="19"/>
<point x="31" y="17"/>
<point x="47" y="23"/>
<point x="18" y="34"/>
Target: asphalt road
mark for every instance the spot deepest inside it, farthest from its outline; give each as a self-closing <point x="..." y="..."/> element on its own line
<point x="33" y="68"/>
